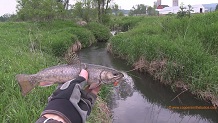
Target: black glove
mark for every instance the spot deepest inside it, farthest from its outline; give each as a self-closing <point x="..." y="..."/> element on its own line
<point x="70" y="102"/>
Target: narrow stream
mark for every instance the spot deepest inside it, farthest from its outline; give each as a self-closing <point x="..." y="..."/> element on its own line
<point x="140" y="99"/>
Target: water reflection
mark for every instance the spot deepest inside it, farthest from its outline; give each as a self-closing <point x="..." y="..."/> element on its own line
<point x="140" y="99"/>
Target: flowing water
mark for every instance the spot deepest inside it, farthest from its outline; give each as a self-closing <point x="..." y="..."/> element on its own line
<point x="140" y="99"/>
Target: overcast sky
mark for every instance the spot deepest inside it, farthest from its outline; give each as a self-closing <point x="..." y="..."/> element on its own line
<point x="9" y="6"/>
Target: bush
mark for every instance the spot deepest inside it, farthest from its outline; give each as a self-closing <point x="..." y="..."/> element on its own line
<point x="101" y="32"/>
<point x="125" y="23"/>
<point x="58" y="41"/>
<point x="84" y="35"/>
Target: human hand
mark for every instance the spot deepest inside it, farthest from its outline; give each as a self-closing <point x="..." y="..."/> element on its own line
<point x="84" y="73"/>
<point x="73" y="95"/>
<point x="95" y="91"/>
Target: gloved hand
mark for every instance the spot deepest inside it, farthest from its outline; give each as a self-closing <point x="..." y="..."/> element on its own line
<point x="71" y="102"/>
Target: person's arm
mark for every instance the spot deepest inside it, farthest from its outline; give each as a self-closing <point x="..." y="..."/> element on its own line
<point x="69" y="103"/>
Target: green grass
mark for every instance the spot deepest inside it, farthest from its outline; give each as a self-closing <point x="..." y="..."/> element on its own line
<point x="16" y="57"/>
<point x="28" y="48"/>
<point x="188" y="45"/>
<point x="101" y="32"/>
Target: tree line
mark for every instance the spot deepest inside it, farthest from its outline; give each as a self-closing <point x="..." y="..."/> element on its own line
<point x="142" y="9"/>
<point x="87" y="10"/>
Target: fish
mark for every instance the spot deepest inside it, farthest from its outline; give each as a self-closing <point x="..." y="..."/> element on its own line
<point x="65" y="72"/>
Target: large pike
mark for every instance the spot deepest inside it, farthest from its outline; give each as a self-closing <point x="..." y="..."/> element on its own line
<point x="62" y="73"/>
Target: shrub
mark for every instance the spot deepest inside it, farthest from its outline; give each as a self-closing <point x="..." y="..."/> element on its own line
<point x="84" y="35"/>
<point x="125" y="23"/>
<point x="101" y="32"/>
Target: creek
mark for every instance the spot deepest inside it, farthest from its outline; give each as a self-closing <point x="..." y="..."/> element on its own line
<point x="141" y="99"/>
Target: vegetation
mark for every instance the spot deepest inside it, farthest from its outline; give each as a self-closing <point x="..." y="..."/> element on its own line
<point x="183" y="12"/>
<point x="43" y="10"/>
<point x="46" y="30"/>
<point x="142" y="9"/>
<point x="101" y="32"/>
<point x="216" y="7"/>
<point x="125" y="23"/>
<point x="28" y="48"/>
<point x="179" y="52"/>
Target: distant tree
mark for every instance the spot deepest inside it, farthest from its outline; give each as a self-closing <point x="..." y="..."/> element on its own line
<point x="115" y="9"/>
<point x="7" y="17"/>
<point x="90" y="7"/>
<point x="138" y="10"/>
<point x="4" y="17"/>
<point x="182" y="12"/>
<point x="40" y="10"/>
<point x="84" y="11"/>
<point x="150" y="10"/>
<point x="120" y="14"/>
<point x="65" y="3"/>
<point x="190" y="9"/>
<point x="103" y="9"/>
<point x="216" y="7"/>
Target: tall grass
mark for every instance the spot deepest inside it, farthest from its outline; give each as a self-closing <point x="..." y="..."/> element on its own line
<point x="101" y="32"/>
<point x="29" y="48"/>
<point x="16" y="57"/>
<point x="189" y="45"/>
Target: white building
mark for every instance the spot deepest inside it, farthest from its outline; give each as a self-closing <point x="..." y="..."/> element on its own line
<point x="196" y="9"/>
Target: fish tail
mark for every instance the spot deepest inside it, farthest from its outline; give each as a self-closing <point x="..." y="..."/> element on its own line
<point x="25" y="82"/>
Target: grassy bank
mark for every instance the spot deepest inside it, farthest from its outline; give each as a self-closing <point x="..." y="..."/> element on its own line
<point x="28" y="48"/>
<point x="179" y="52"/>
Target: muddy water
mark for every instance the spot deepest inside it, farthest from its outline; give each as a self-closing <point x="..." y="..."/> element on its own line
<point x="140" y="99"/>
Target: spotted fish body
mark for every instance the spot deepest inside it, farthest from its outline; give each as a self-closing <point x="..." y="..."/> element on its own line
<point x="59" y="74"/>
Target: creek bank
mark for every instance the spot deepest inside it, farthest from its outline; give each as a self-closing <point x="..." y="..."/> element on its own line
<point x="157" y="68"/>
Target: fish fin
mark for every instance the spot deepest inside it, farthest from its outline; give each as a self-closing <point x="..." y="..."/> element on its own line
<point x="45" y="84"/>
<point x="25" y="83"/>
<point x="94" y="85"/>
<point x="71" y="56"/>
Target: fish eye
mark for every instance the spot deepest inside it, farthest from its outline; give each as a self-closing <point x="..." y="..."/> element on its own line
<point x="115" y="74"/>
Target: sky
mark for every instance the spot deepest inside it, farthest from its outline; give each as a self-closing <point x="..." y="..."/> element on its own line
<point x="9" y="6"/>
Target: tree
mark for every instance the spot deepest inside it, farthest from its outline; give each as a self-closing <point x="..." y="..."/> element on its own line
<point x="139" y="9"/>
<point x="40" y="10"/>
<point x="190" y="9"/>
<point x="216" y="7"/>
<point x="182" y="12"/>
<point x="65" y="3"/>
<point x="5" y="17"/>
<point x="102" y="7"/>
<point x="120" y="13"/>
<point x="115" y="9"/>
<point x="150" y="10"/>
<point x="85" y="10"/>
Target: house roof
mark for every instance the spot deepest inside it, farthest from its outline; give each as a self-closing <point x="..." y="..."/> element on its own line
<point x="164" y="5"/>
